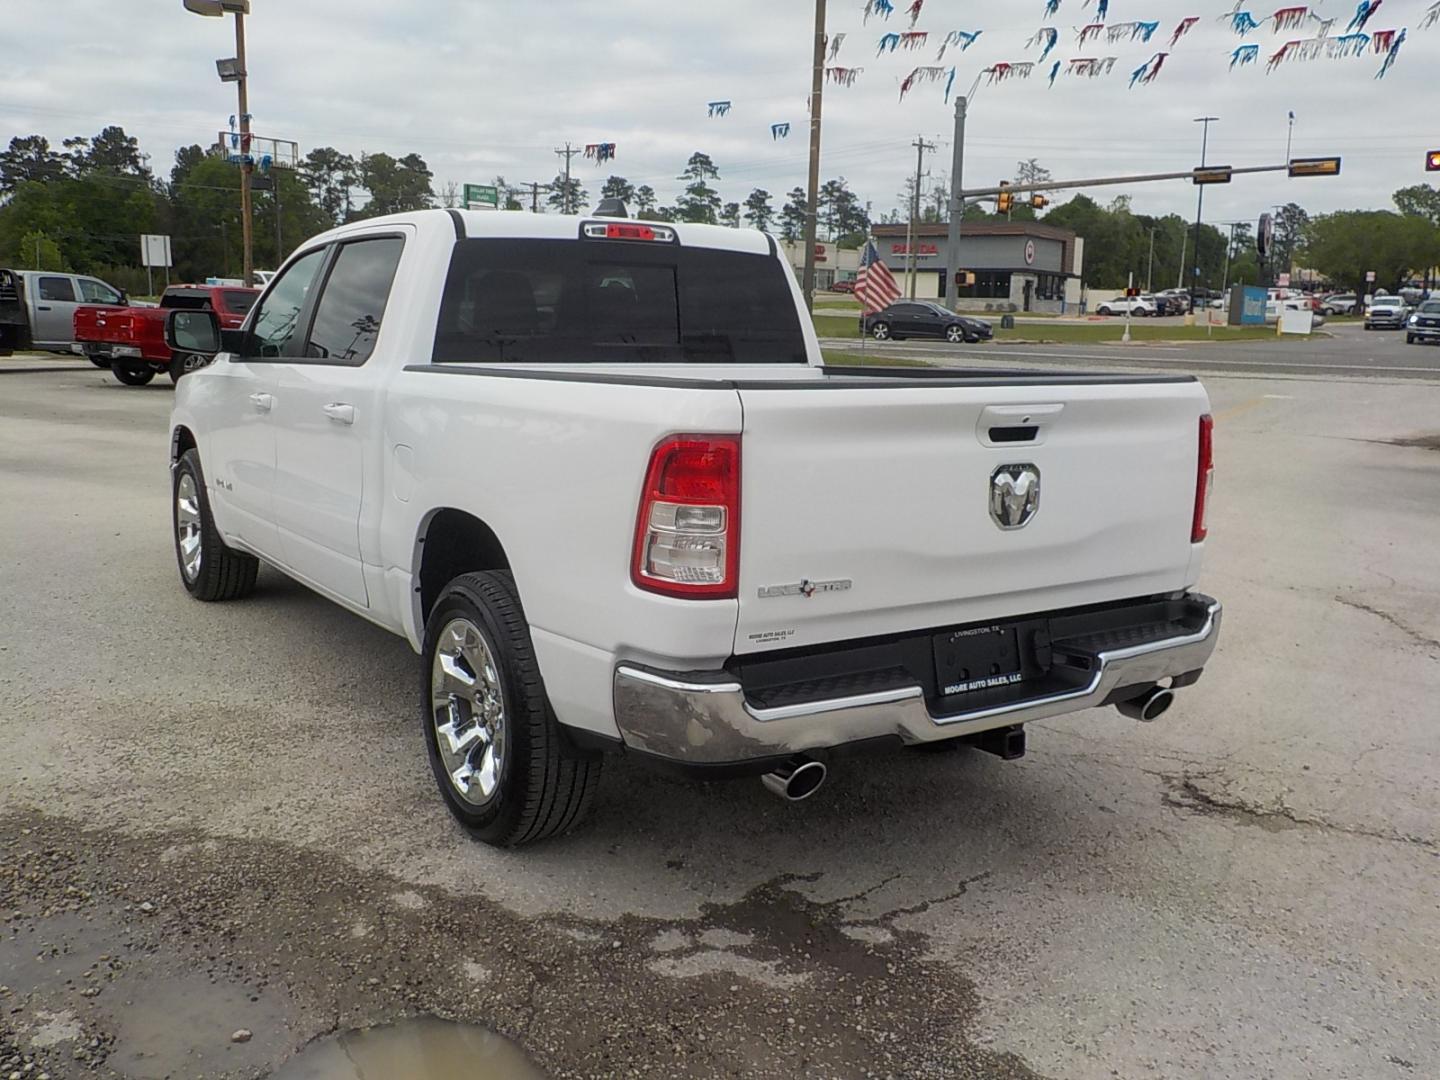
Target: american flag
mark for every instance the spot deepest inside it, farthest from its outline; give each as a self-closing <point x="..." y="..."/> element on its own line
<point x="875" y="286"/>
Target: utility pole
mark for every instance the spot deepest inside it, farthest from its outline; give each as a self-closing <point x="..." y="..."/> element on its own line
<point x="957" y="206"/>
<point x="243" y="87"/>
<point x="279" y="236"/>
<point x="812" y="203"/>
<point x="911" y="234"/>
<point x="568" y="205"/>
<point x="1150" y="268"/>
<point x="1199" y="210"/>
<point x="535" y="188"/>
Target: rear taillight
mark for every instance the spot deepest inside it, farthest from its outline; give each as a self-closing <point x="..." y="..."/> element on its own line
<point x="687" y="536"/>
<point x="1205" y="478"/>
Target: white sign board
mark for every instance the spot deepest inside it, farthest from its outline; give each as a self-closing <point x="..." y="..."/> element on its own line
<point x="1297" y="321"/>
<point x="1283" y="281"/>
<point x="155" y="250"/>
<point x="1370" y="275"/>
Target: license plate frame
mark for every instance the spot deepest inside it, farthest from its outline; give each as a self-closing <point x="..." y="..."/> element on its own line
<point x="977" y="658"/>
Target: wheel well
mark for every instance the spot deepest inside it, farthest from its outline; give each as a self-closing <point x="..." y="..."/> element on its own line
<point x="455" y="543"/>
<point x="181" y="441"/>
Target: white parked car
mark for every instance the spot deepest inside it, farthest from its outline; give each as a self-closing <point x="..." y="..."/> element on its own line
<point x="597" y="473"/>
<point x="1138" y="306"/>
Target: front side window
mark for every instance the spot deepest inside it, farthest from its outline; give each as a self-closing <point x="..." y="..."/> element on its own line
<point x="277" y="323"/>
<point x="613" y="301"/>
<point x="55" y="288"/>
<point x="352" y="305"/>
<point x="97" y="292"/>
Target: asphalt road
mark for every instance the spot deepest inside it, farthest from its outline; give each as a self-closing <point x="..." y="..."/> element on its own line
<point x="1345" y="349"/>
<point x="219" y="817"/>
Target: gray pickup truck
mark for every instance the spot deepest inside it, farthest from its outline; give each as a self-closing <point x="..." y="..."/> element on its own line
<point x="37" y="307"/>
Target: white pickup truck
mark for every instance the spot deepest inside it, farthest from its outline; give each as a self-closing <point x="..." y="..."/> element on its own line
<point x="598" y="474"/>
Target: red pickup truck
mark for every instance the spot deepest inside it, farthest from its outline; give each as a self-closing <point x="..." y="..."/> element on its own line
<point x="131" y="340"/>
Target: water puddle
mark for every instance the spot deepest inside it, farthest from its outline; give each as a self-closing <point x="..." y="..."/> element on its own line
<point x="420" y="1049"/>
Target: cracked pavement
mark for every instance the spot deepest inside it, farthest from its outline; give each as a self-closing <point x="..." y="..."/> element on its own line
<point x="1246" y="888"/>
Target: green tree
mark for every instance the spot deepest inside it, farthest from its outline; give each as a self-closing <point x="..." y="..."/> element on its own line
<point x="758" y="211"/>
<point x="645" y="200"/>
<point x="331" y="178"/>
<point x="699" y="202"/>
<point x="1291" y="221"/>
<point x="395" y="186"/>
<point x="700" y="167"/>
<point x="39" y="252"/>
<point x="29" y="158"/>
<point x="845" y="218"/>
<point x="186" y="158"/>
<point x="730" y="215"/>
<point x="568" y="196"/>
<point x="1345" y="245"/>
<point x="1422" y="200"/>
<point x="509" y="194"/>
<point x="617" y="187"/>
<point x="792" y="215"/>
<point x="110" y="151"/>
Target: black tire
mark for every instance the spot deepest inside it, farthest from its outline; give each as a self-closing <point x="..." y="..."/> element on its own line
<point x="1409" y="339"/>
<point x="545" y="787"/>
<point x="880" y="331"/>
<point x="222" y="573"/>
<point x="956" y="335"/>
<point x="99" y="361"/>
<point x="184" y="363"/>
<point x="1103" y="309"/>
<point x="132" y="376"/>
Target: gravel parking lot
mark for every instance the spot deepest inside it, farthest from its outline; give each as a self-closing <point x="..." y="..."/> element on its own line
<point x="218" y="820"/>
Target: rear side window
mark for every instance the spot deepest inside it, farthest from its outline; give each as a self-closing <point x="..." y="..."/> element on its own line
<point x="352" y="305"/>
<point x="606" y="301"/>
<point x="238" y="301"/>
<point x="97" y="292"/>
<point x="55" y="288"/>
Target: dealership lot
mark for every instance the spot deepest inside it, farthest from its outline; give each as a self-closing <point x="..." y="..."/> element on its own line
<point x="231" y="805"/>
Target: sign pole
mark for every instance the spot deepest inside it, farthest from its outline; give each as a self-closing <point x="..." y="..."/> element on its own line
<point x="1129" y="301"/>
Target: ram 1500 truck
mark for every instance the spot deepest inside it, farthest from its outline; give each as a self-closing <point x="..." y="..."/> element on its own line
<point x="598" y="474"/>
<point x="131" y="340"/>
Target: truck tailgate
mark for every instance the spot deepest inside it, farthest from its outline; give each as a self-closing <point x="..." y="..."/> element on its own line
<point x="866" y="509"/>
<point x="111" y="325"/>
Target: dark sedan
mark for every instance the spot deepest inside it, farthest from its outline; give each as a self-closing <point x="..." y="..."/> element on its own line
<point x="919" y="318"/>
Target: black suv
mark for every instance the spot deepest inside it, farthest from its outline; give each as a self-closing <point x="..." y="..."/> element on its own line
<point x="920" y="318"/>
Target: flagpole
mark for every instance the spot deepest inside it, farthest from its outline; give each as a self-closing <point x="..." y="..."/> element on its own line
<point x="869" y="239"/>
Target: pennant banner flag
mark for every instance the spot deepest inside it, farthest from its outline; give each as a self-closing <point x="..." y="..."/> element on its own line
<point x="888" y="43"/>
<point x="1147" y="71"/>
<point x="835" y="43"/>
<point x="963" y="38"/>
<point x="1092" y="30"/>
<point x="719" y="108"/>
<point x="914" y="12"/>
<point x="1363" y="11"/>
<point x="919" y="75"/>
<point x="779" y="131"/>
<point x="1135" y="31"/>
<point x="600" y="152"/>
<point x="1052" y="8"/>
<point x="843" y="76"/>
<point x="1047" y="36"/>
<point x="1431" y="17"/>
<point x="878" y="7"/>
<point x="1290" y="18"/>
<point x="1092" y="67"/>
<point x="1000" y="72"/>
<point x="1186" y="25"/>
<point x="1054" y="71"/>
<point x="1245" y="54"/>
<point x="1391" y="55"/>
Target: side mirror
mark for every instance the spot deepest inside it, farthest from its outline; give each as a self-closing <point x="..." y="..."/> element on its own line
<point x="193" y="332"/>
<point x="124" y="298"/>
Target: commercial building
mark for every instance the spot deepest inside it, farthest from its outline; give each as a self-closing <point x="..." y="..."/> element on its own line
<point x="832" y="262"/>
<point x="1014" y="265"/>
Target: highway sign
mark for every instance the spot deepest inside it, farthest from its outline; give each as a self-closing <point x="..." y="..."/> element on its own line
<point x="482" y="197"/>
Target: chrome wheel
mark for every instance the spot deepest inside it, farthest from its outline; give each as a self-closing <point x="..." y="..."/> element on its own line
<point x="955" y="334"/>
<point x="881" y="331"/>
<point x="468" y="711"/>
<point x="188" y="526"/>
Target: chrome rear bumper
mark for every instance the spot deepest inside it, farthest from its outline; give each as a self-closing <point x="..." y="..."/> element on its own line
<point x="705" y="719"/>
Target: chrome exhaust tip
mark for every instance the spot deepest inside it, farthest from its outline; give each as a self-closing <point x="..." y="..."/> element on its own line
<point x="1149" y="706"/>
<point x="797" y="779"/>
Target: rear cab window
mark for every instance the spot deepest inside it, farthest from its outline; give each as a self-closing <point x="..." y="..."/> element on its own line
<point x="186" y="299"/>
<point x="238" y="301"/>
<point x="614" y="301"/>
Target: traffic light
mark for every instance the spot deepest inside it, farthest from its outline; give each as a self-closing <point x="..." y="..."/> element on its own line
<point x="1038" y="202"/>
<point x="1432" y="161"/>
<point x="1005" y="201"/>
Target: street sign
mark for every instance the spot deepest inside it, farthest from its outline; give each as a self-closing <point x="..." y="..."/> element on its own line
<point x="155" y="250"/>
<point x="1283" y="281"/>
<point x="481" y="197"/>
<point x="1265" y="235"/>
<point x="1214" y="174"/>
<point x="1432" y="161"/>
<point x="1319" y="166"/>
<point x="1370" y="277"/>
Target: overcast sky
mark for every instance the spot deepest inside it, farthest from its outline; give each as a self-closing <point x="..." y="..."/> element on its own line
<point x="480" y="87"/>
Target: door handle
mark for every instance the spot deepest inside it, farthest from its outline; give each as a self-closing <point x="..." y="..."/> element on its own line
<point x="41" y="307"/>
<point x="262" y="402"/>
<point x="340" y="412"/>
